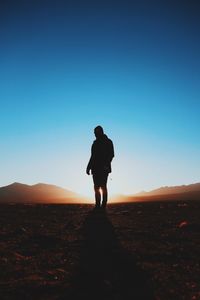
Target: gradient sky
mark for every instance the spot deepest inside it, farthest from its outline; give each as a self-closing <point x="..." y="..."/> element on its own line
<point x="131" y="66"/>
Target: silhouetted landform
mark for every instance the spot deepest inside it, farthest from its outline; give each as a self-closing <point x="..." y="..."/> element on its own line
<point x="46" y="193"/>
<point x="38" y="193"/>
<point x="168" y="197"/>
<point x="183" y="192"/>
<point x="166" y="190"/>
<point x="134" y="251"/>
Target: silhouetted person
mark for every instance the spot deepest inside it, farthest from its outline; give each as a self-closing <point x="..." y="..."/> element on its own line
<point x="102" y="153"/>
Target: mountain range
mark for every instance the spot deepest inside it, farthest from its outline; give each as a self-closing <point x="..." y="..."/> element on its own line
<point x="166" y="190"/>
<point x="37" y="193"/>
<point x="181" y="192"/>
<point x="46" y="193"/>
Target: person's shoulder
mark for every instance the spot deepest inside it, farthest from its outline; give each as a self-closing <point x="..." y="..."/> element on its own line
<point x="94" y="142"/>
<point x="110" y="141"/>
<point x="106" y="138"/>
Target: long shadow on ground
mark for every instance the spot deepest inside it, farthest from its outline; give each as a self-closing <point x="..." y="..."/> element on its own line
<point x="106" y="270"/>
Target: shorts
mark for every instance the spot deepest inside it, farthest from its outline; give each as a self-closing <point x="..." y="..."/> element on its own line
<point x="100" y="179"/>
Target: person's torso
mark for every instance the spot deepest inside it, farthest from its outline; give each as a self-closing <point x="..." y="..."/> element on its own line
<point x="101" y="154"/>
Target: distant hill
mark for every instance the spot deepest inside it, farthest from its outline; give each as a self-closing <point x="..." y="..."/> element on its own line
<point x="46" y="193"/>
<point x="38" y="193"/>
<point x="166" y="190"/>
<point x="183" y="192"/>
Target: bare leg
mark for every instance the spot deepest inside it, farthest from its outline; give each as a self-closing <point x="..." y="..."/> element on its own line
<point x="97" y="196"/>
<point x="105" y="196"/>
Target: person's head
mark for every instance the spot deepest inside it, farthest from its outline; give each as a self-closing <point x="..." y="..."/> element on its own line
<point x="98" y="131"/>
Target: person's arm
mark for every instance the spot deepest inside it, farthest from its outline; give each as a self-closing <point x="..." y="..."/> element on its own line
<point x="109" y="156"/>
<point x="90" y="163"/>
<point x="112" y="153"/>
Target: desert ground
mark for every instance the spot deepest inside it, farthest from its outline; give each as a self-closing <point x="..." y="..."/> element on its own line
<point x="131" y="251"/>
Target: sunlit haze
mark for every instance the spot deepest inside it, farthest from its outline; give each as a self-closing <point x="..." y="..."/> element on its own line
<point x="131" y="67"/>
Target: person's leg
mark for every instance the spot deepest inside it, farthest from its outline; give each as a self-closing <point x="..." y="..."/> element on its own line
<point x="104" y="190"/>
<point x="105" y="196"/>
<point x="97" y="196"/>
<point x="97" y="189"/>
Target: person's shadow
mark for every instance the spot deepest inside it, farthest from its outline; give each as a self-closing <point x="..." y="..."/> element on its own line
<point x="106" y="270"/>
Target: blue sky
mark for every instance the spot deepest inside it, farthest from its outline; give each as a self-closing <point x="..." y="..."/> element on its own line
<point x="131" y="66"/>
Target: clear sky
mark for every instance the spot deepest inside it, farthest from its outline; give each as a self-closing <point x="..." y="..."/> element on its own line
<point x="131" y="66"/>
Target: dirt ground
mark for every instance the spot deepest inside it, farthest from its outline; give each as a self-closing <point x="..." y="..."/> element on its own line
<point x="131" y="251"/>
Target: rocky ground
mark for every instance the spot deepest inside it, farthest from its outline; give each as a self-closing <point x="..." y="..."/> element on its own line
<point x="133" y="251"/>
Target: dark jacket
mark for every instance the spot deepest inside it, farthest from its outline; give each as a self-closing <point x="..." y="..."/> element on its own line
<point x="102" y="153"/>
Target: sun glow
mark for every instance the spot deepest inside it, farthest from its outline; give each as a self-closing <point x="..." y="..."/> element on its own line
<point x="84" y="187"/>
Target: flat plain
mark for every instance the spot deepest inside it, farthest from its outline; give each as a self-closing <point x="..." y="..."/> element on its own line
<point x="147" y="250"/>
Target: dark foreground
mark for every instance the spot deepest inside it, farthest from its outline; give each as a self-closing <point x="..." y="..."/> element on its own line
<point x="134" y="251"/>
